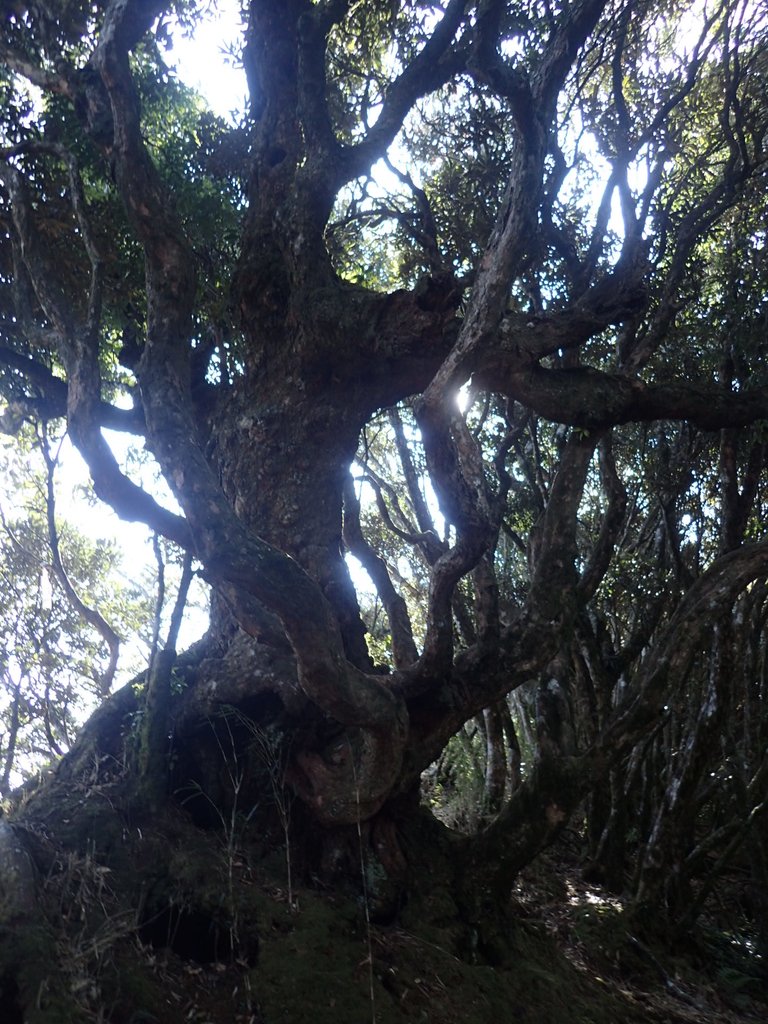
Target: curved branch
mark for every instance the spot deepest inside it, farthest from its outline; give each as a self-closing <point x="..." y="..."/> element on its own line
<point x="432" y="67"/>
<point x="569" y="33"/>
<point x="403" y="648"/>
<point x="591" y="399"/>
<point x="90" y="615"/>
<point x="687" y="631"/>
<point x="79" y="348"/>
<point x="171" y="279"/>
<point x="620" y="295"/>
<point x="553" y="541"/>
<point x="602" y="552"/>
<point x="52" y="403"/>
<point x="48" y="81"/>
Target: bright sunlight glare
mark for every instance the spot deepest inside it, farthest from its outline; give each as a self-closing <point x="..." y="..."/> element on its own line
<point x="207" y="61"/>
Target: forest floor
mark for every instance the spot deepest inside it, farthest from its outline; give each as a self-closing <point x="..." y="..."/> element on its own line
<point x="715" y="979"/>
<point x="172" y="949"/>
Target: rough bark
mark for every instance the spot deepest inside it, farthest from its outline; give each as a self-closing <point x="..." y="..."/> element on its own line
<point x="259" y="463"/>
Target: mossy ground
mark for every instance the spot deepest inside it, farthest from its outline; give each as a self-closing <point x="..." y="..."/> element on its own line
<point x="170" y="923"/>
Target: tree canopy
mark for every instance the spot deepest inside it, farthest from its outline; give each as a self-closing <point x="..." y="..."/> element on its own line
<point x="476" y="293"/>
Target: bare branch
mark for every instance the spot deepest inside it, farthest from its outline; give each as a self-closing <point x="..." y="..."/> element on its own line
<point x="90" y="615"/>
<point x="403" y="648"/>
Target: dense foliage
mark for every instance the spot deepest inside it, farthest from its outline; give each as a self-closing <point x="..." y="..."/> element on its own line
<point x="476" y="294"/>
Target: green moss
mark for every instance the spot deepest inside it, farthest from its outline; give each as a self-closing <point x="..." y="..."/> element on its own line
<point x="92" y="957"/>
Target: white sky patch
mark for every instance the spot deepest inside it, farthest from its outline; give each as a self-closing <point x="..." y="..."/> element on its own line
<point x="204" y="59"/>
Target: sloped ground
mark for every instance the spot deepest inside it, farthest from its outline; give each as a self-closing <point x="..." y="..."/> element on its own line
<point x="717" y="977"/>
<point x="181" y="925"/>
